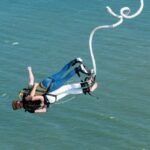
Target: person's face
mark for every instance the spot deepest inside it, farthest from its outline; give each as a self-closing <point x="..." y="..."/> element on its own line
<point x="19" y="104"/>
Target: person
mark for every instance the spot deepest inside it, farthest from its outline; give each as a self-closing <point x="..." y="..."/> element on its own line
<point x="40" y="103"/>
<point x="53" y="89"/>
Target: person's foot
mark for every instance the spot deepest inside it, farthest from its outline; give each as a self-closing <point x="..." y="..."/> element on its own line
<point x="93" y="88"/>
<point x="89" y="86"/>
<point x="76" y="60"/>
<point x="80" y="69"/>
<point x="91" y="72"/>
<point x="79" y="60"/>
<point x="83" y="69"/>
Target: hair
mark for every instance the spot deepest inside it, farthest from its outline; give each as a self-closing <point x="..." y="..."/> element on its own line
<point x="14" y="106"/>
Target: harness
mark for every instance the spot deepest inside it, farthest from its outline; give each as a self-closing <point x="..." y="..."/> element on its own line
<point x="86" y="86"/>
<point x="47" y="93"/>
<point x="31" y="106"/>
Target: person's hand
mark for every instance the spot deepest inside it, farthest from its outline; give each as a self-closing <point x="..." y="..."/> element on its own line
<point x="29" y="68"/>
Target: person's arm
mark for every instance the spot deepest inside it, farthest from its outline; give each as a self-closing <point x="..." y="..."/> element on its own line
<point x="31" y="96"/>
<point x="30" y="76"/>
<point x="34" y="89"/>
<point x="42" y="110"/>
<point x="41" y="98"/>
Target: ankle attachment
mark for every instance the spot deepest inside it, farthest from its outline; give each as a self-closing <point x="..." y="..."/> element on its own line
<point x="75" y="61"/>
<point x="86" y="90"/>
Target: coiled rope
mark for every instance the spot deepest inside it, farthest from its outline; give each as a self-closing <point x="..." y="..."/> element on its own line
<point x="124" y="14"/>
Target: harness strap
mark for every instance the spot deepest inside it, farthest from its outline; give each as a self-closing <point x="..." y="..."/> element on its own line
<point x="27" y="91"/>
<point x="86" y="86"/>
<point x="47" y="93"/>
<point x="50" y="85"/>
<point x="46" y="99"/>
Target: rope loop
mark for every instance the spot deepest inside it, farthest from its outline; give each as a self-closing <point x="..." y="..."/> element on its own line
<point x="124" y="14"/>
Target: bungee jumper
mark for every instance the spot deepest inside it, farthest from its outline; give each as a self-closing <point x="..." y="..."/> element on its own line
<point x="38" y="96"/>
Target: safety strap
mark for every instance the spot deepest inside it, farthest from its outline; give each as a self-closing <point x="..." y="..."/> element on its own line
<point x="47" y="93"/>
<point x="50" y="85"/>
<point x="87" y="85"/>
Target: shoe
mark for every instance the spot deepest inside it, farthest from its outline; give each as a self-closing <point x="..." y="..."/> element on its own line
<point x="79" y="60"/>
<point x="76" y="60"/>
<point x="86" y="71"/>
<point x="82" y="69"/>
<point x="91" y="71"/>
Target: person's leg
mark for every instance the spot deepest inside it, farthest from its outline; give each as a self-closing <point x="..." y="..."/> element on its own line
<point x="66" y="88"/>
<point x="58" y="83"/>
<point x="70" y="92"/>
<point x="60" y="73"/>
<point x="83" y="69"/>
<point x="70" y="89"/>
<point x="89" y="85"/>
<point x="73" y="89"/>
<point x="56" y="80"/>
<point x="31" y="77"/>
<point x="53" y="80"/>
<point x="46" y="83"/>
<point x="64" y="91"/>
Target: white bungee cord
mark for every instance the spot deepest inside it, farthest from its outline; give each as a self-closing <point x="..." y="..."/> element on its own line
<point x="124" y="14"/>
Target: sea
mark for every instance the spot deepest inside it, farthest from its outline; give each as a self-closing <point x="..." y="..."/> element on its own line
<point x="47" y="34"/>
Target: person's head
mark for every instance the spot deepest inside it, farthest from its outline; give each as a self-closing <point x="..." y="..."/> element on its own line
<point x="17" y="104"/>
